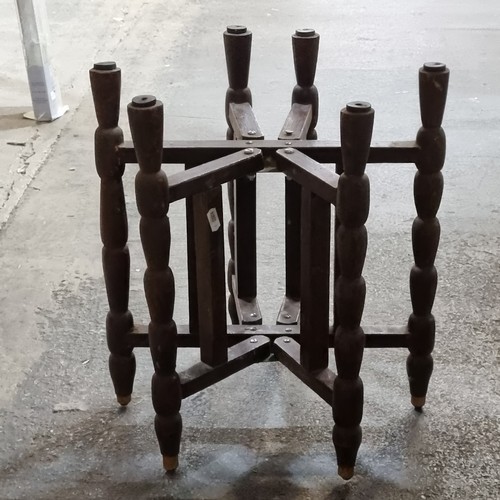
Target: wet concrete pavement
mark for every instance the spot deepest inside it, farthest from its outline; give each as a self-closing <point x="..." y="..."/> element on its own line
<point x="259" y="434"/>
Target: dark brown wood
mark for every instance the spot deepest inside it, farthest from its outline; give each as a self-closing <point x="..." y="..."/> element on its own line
<point x="287" y="351"/>
<point x="305" y="46"/>
<point x="376" y="337"/>
<point x="240" y="356"/>
<point x="146" y="124"/>
<point x="353" y="204"/>
<point x="212" y="174"/>
<point x="289" y="312"/>
<point x="231" y="266"/>
<point x="245" y="229"/>
<point x="302" y="228"/>
<point x="315" y="282"/>
<point x="297" y="123"/>
<point x="321" y="151"/>
<point x="105" y="79"/>
<point x="210" y="272"/>
<point x="314" y="188"/>
<point x="319" y="179"/>
<point x="237" y="47"/>
<point x="339" y="170"/>
<point x="428" y="189"/>
<point x="191" y="262"/>
<point x="247" y="310"/>
<point x="242" y="228"/>
<point x="243" y="122"/>
<point x="290" y="307"/>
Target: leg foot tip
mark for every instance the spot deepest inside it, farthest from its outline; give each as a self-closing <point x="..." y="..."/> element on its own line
<point x="418" y="402"/>
<point x="345" y="472"/>
<point x="170" y="464"/>
<point x="124" y="400"/>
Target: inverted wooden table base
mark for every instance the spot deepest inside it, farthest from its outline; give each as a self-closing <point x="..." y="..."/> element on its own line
<point x="323" y="179"/>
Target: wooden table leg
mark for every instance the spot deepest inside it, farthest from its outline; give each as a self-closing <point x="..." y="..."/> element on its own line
<point x="105" y="80"/>
<point x="353" y="201"/>
<point x="146" y="124"/>
<point x="428" y="189"/>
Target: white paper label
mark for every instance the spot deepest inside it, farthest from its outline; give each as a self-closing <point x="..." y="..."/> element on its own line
<point x="213" y="219"/>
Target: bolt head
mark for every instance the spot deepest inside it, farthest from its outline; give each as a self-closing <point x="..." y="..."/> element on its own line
<point x="288" y="330"/>
<point x="253" y="329"/>
<point x="289" y="151"/>
<point x="253" y="315"/>
<point x="249" y="142"/>
<point x="252" y="132"/>
<point x="288" y="316"/>
<point x="288" y="143"/>
<point x="253" y="340"/>
<point x="248" y="151"/>
<point x="286" y="341"/>
<point x="288" y="132"/>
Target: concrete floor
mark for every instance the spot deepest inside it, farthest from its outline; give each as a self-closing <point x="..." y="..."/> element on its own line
<point x="259" y="434"/>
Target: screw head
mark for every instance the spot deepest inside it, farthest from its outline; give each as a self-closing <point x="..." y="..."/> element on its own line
<point x="248" y="151"/>
<point x="286" y="341"/>
<point x="358" y="106"/>
<point x="288" y="316"/>
<point x="253" y="329"/>
<point x="253" y="315"/>
<point x="252" y="132"/>
<point x="435" y="67"/>
<point x="253" y="340"/>
<point x="288" y="330"/>
<point x="288" y="143"/>
<point x="289" y="151"/>
<point x="288" y="132"/>
<point x="105" y="66"/>
<point x="249" y="142"/>
<point x="144" y="101"/>
<point x="236" y="29"/>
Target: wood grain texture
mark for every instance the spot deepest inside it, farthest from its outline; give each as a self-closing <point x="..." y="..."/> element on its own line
<point x="353" y="204"/>
<point x="151" y="187"/>
<point x="242" y="227"/>
<point x="427" y="190"/>
<point x="105" y="81"/>
<point x="209" y="239"/>
<point x="299" y="124"/>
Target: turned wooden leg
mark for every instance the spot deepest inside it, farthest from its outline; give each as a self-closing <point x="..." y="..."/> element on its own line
<point x="105" y="80"/>
<point x="305" y="46"/>
<point x="242" y="266"/>
<point x="151" y="186"/>
<point x="353" y="202"/>
<point x="428" y="189"/>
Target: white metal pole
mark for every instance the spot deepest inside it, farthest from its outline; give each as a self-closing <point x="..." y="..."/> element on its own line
<point x="45" y="92"/>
